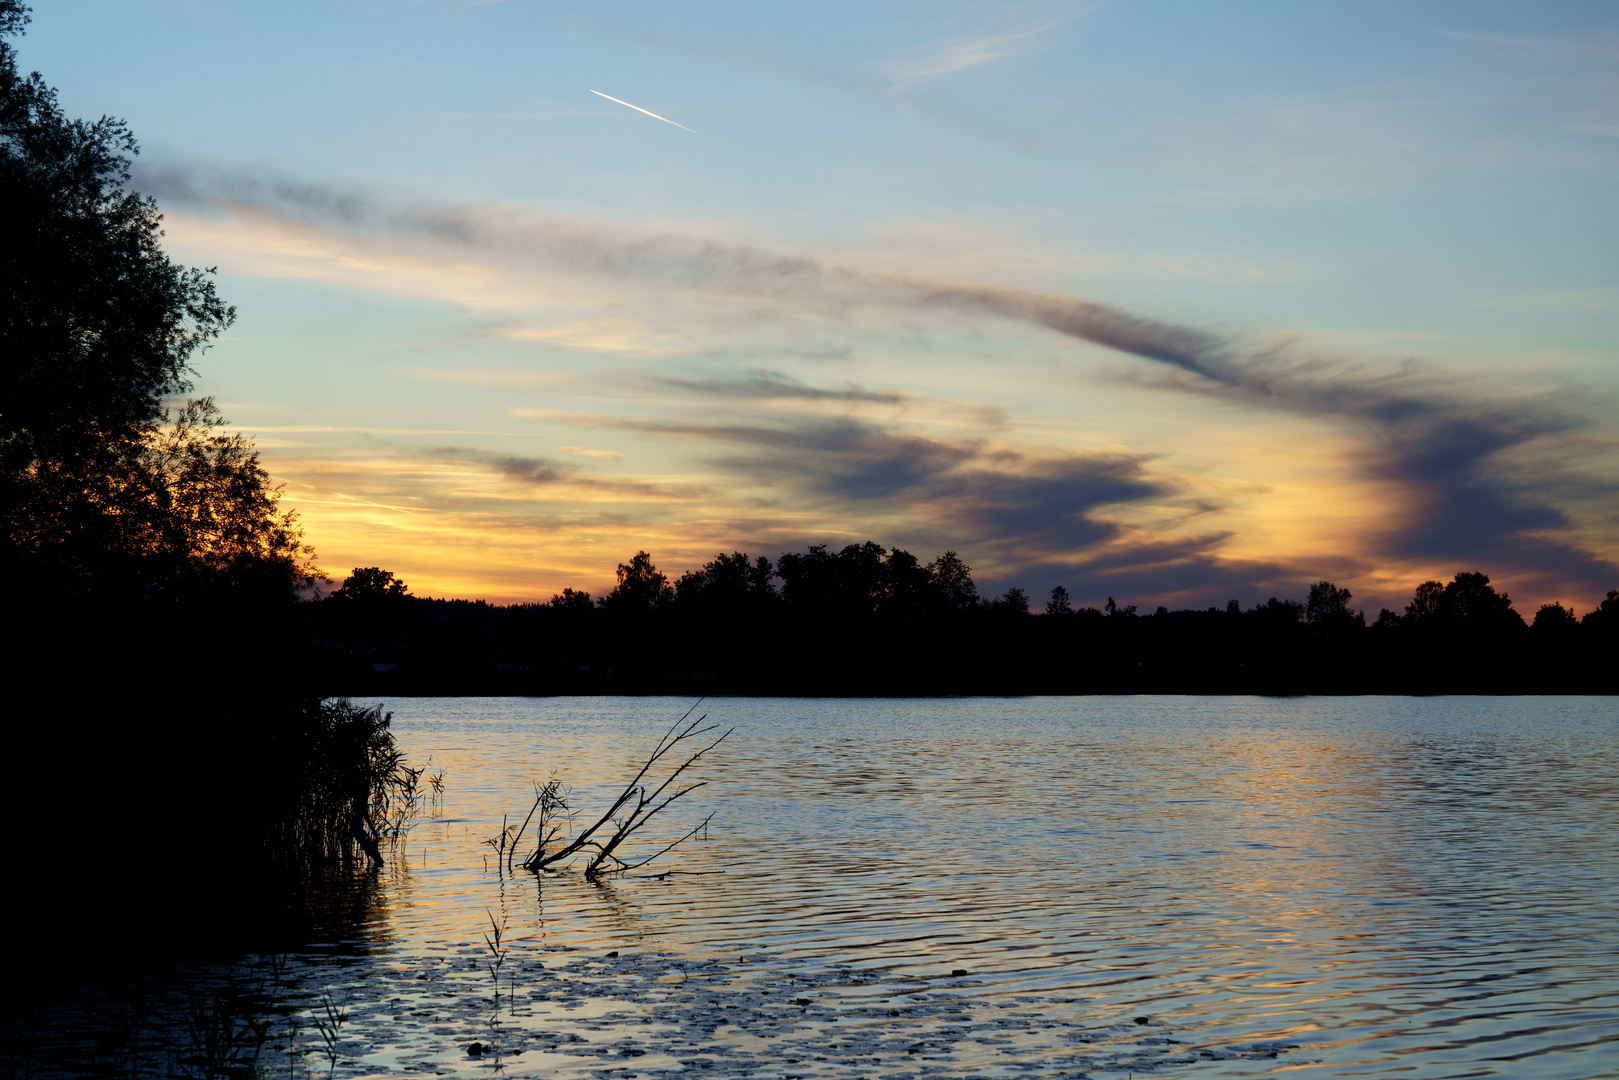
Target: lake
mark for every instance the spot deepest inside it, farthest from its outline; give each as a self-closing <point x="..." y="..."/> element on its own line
<point x="1355" y="887"/>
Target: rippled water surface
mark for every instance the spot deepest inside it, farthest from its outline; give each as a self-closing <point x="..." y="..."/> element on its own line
<point x="1002" y="887"/>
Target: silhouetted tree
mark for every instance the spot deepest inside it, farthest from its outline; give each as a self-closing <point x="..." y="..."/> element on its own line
<point x="1461" y="636"/>
<point x="1274" y="644"/>
<point x="1014" y="601"/>
<point x="571" y="603"/>
<point x="1337" y="632"/>
<point x="1327" y="604"/>
<point x="370" y="585"/>
<point x="1605" y="618"/>
<point x="111" y="493"/>
<point x="955" y="581"/>
<point x="1424" y="602"/>
<point x="727" y="582"/>
<point x="102" y="485"/>
<point x="1470" y="602"/>
<point x="372" y="606"/>
<point x="152" y="577"/>
<point x="1555" y="642"/>
<point x="911" y="590"/>
<point x="723" y="610"/>
<point x="641" y="588"/>
<point x="572" y="639"/>
<point x="851" y="583"/>
<point x="636" y="614"/>
<point x="1600" y="631"/>
<point x="1556" y="621"/>
<point x="865" y="619"/>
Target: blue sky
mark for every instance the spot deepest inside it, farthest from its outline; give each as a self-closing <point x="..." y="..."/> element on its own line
<point x="497" y="333"/>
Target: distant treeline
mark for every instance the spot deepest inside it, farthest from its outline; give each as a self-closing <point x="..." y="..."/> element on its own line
<point x="869" y="620"/>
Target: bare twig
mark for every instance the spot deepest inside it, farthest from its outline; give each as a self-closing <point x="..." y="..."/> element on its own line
<point x="641" y="804"/>
<point x="548" y="799"/>
<point x="620" y="865"/>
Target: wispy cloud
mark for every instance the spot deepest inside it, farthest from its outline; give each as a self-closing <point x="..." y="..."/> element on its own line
<point x="530" y="470"/>
<point x="543" y="472"/>
<point x="1470" y="489"/>
<point x="505" y="379"/>
<point x="602" y="335"/>
<point x="993" y="497"/>
<point x="892" y="82"/>
<point x="762" y="383"/>
<point x="962" y="52"/>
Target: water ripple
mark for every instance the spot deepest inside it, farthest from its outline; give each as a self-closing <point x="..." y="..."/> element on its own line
<point x="1415" y="886"/>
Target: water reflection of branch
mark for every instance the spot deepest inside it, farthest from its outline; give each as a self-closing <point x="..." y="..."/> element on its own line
<point x="329" y="1027"/>
<point x="498" y="930"/>
<point x="623" y="912"/>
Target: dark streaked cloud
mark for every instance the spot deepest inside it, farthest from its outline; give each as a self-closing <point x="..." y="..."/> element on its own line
<point x="695" y="263"/>
<point x="764" y="384"/>
<point x="967" y="491"/>
<point x="838" y="457"/>
<point x="1472" y="508"/>
<point x="1044" y="505"/>
<point x="1185" y="572"/>
<point x="850" y="460"/>
<point x="1456" y="454"/>
<point x="527" y="469"/>
<point x="543" y="472"/>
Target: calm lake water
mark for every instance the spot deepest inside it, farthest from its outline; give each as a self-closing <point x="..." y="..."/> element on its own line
<point x="1347" y="887"/>
<point x="1191" y="887"/>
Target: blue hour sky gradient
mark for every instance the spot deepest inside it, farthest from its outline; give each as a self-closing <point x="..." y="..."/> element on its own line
<point x="1172" y="302"/>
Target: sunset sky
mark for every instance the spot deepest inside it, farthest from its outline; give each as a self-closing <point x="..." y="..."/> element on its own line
<point x="1173" y="302"/>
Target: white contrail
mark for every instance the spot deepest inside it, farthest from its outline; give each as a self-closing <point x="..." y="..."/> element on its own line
<point x="638" y="109"/>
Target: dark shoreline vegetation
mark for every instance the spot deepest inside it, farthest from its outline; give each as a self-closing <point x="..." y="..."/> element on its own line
<point x="875" y="621"/>
<point x="183" y="782"/>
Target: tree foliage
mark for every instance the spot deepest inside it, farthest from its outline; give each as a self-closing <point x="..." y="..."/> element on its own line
<point x="1327" y="603"/>
<point x="641" y="587"/>
<point x="152" y="573"/>
<point x="105" y="481"/>
<point x="370" y="585"/>
<point x="866" y="619"/>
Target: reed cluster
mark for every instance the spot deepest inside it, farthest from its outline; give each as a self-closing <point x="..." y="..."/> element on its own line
<point x="346" y="790"/>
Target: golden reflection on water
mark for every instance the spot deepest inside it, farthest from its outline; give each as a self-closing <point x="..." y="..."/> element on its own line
<point x="1415" y="884"/>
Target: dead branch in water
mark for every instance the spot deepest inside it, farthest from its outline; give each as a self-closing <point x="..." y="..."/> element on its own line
<point x="636" y="805"/>
<point x="551" y="803"/>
